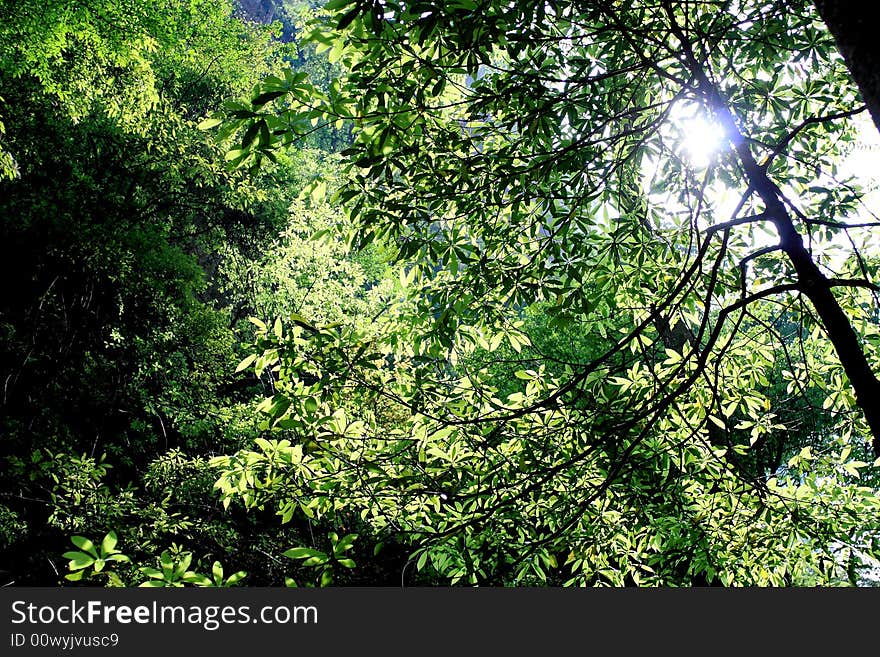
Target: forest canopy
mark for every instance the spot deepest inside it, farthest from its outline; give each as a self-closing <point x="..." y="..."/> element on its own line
<point x="476" y="292"/>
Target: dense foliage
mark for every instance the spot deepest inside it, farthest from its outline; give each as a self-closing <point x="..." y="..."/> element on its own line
<point x="131" y="256"/>
<point x="434" y="293"/>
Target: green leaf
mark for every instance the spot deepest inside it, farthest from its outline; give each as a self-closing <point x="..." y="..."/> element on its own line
<point x="302" y="321"/>
<point x="348" y="18"/>
<point x="236" y="577"/>
<point x="250" y="136"/>
<point x="333" y="5"/>
<point x="303" y="553"/>
<point x="316" y="560"/>
<point x="78" y="560"/>
<point x="109" y="543"/>
<point x="184" y="563"/>
<point x="85" y="545"/>
<point x="266" y="97"/>
<point x="345" y="543"/>
<point x="247" y="362"/>
<point x="207" y="124"/>
<point x="197" y="579"/>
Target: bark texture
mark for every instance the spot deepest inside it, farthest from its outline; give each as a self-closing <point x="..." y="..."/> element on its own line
<point x="855" y="25"/>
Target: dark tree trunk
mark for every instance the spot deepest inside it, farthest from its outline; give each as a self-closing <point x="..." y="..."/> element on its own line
<point x="854" y="25"/>
<point x="812" y="282"/>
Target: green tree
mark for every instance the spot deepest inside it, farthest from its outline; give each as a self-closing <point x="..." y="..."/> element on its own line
<point x="116" y="352"/>
<point x="536" y="153"/>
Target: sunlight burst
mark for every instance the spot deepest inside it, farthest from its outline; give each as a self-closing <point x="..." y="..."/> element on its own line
<point x="702" y="139"/>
